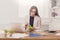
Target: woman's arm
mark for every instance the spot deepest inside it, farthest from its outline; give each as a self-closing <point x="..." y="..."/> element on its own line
<point x="38" y="23"/>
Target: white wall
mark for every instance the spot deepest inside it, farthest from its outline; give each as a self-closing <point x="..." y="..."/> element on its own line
<point x="43" y="6"/>
<point x="12" y="10"/>
<point x="58" y="9"/>
<point x="8" y="11"/>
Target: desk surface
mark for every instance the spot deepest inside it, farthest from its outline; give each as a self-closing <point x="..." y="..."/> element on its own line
<point x="47" y="36"/>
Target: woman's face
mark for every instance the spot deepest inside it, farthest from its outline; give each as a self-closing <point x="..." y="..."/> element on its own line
<point x="33" y="11"/>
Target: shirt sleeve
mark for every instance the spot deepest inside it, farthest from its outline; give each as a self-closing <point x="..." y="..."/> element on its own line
<point x="38" y="23"/>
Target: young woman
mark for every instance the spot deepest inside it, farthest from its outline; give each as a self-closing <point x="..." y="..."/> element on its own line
<point x="33" y="19"/>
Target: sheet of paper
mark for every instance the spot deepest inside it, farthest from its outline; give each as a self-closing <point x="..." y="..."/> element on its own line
<point x="18" y="35"/>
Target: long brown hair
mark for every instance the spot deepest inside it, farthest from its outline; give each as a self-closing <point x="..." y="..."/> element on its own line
<point x="34" y="7"/>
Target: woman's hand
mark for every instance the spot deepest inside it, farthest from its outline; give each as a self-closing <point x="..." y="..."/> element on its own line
<point x="33" y="28"/>
<point x="29" y="28"/>
<point x="26" y="26"/>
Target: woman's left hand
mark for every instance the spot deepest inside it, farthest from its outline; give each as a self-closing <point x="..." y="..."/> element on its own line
<point x="33" y="28"/>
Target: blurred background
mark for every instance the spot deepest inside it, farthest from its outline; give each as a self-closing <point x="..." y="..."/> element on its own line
<point x="14" y="11"/>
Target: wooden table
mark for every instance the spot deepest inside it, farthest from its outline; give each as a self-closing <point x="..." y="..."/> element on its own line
<point x="47" y="36"/>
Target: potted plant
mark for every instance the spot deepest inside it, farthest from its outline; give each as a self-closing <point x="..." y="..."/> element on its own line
<point x="6" y="31"/>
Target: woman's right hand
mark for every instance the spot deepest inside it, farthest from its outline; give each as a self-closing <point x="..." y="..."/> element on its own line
<point x="26" y="26"/>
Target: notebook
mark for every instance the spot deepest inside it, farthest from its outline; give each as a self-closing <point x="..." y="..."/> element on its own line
<point x="35" y="35"/>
